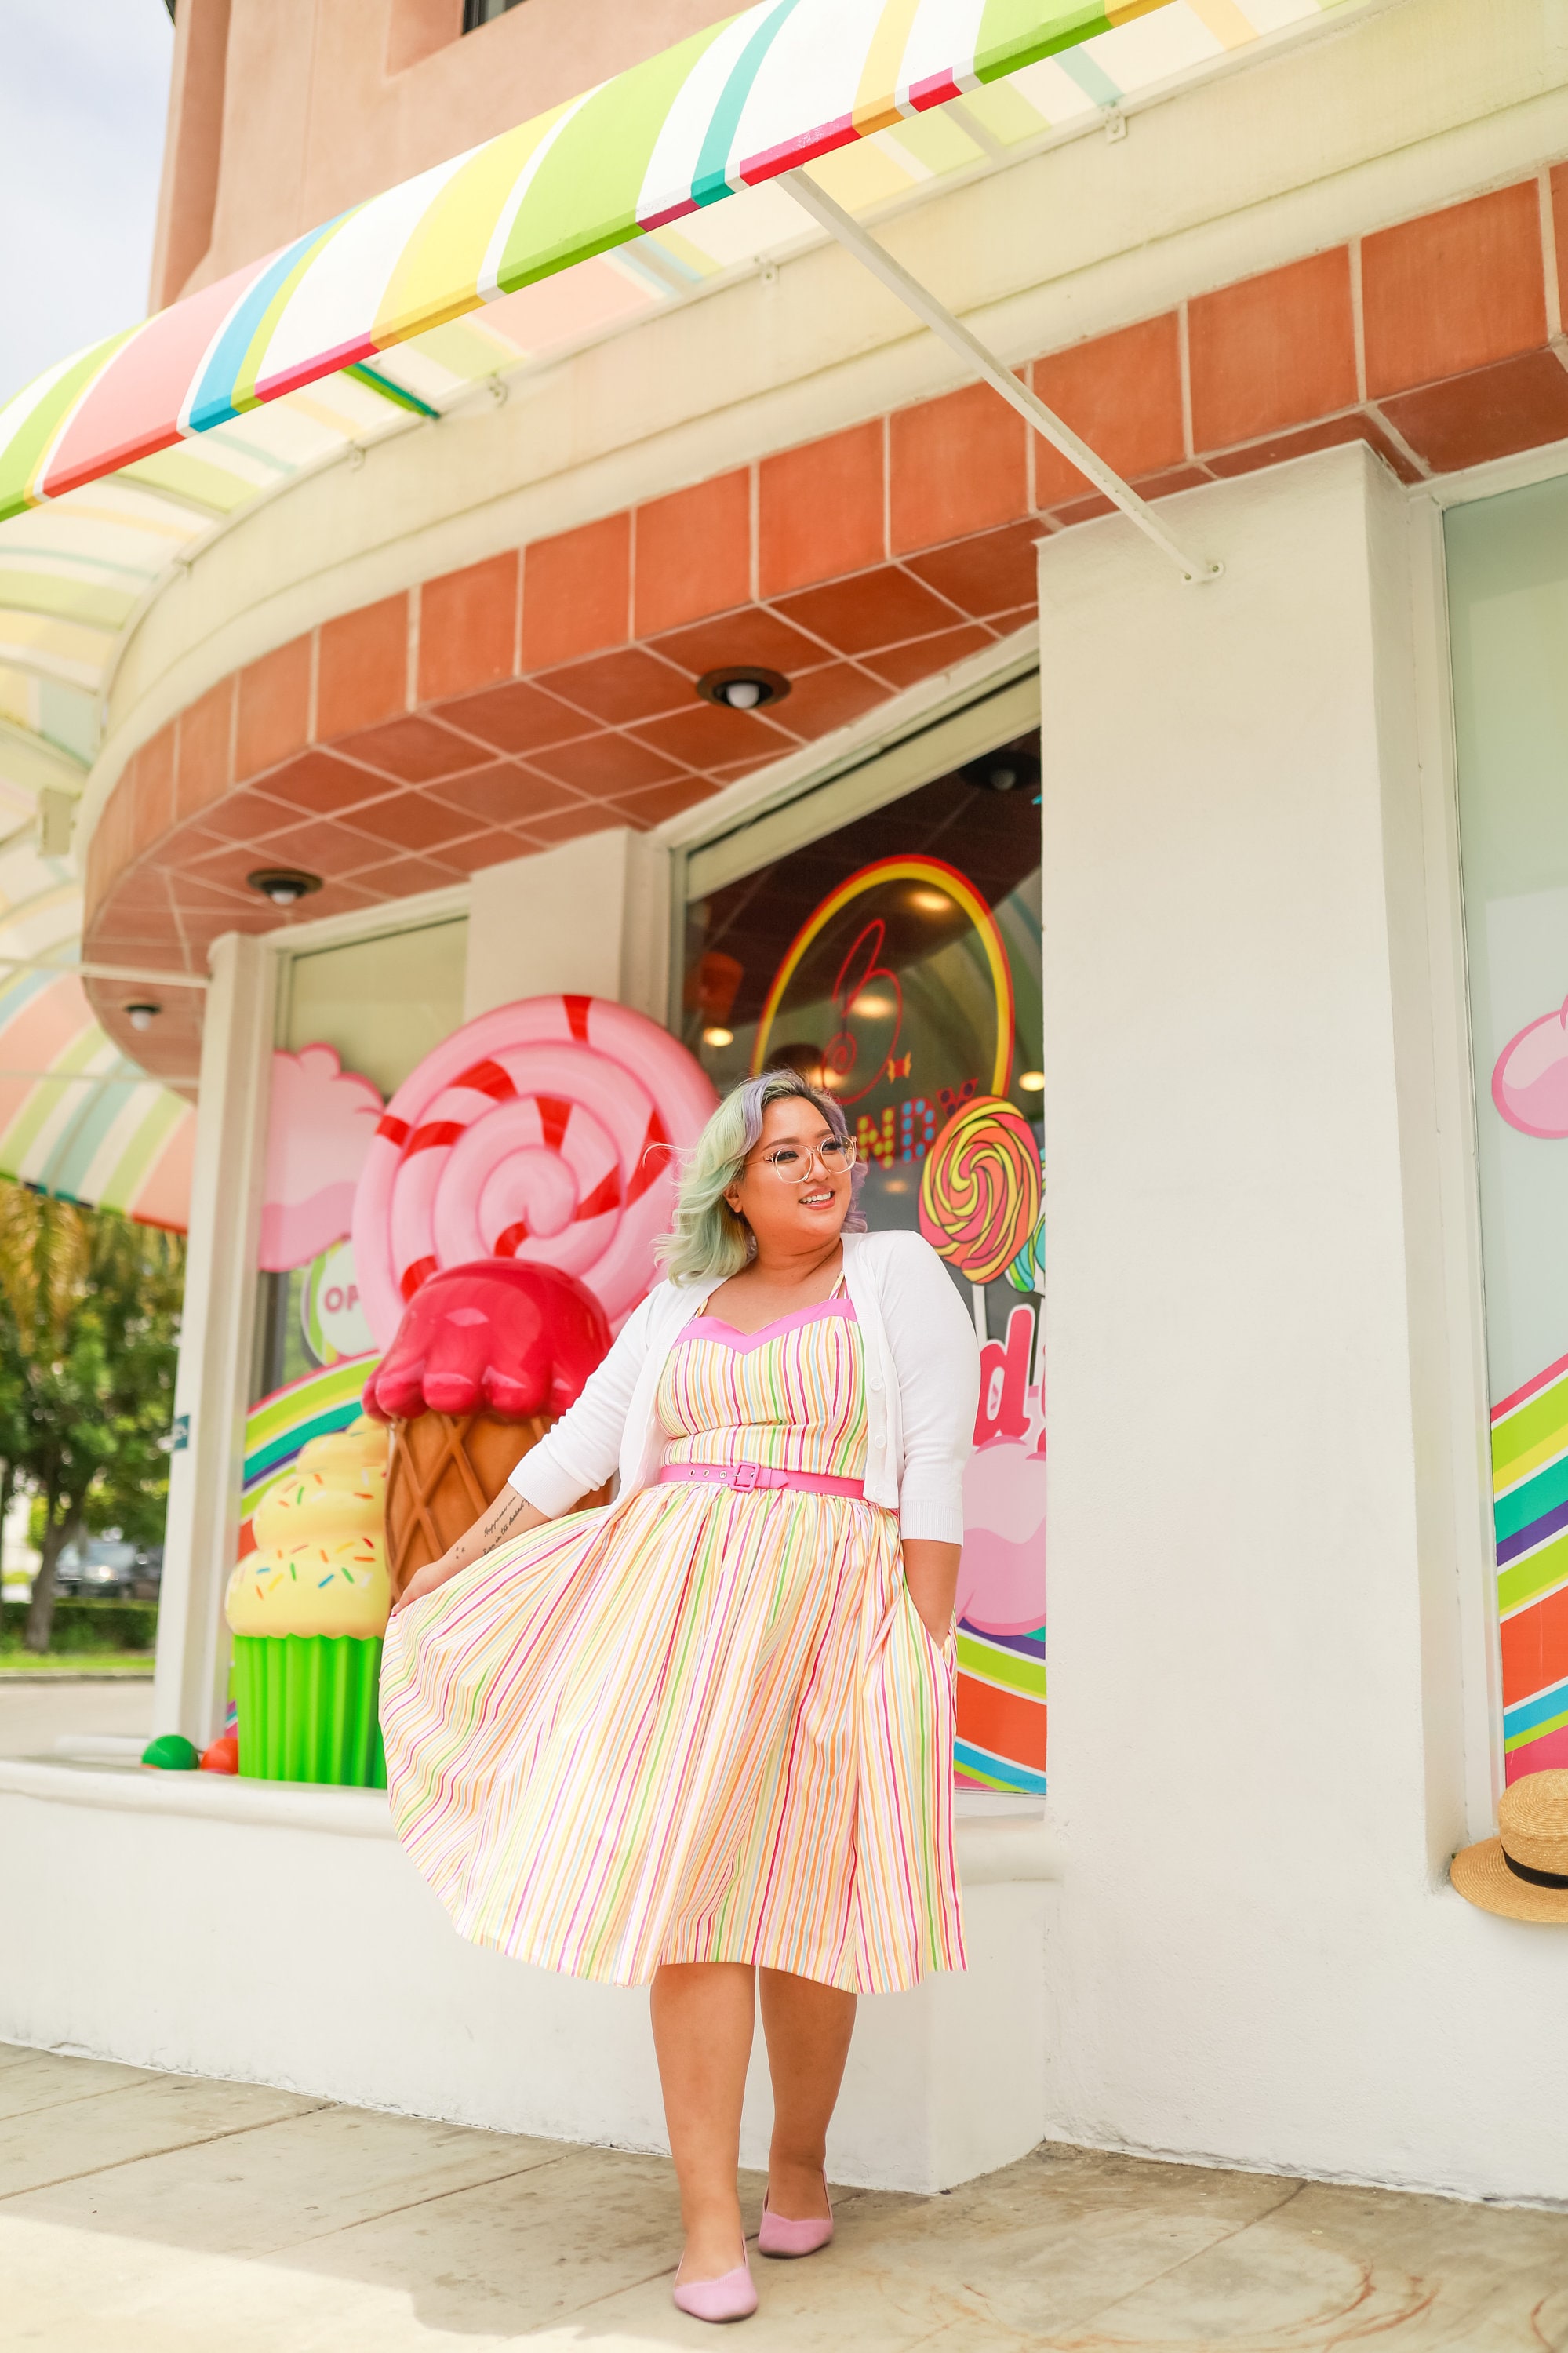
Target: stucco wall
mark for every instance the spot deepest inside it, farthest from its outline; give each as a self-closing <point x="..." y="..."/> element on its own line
<point x="1257" y="1554"/>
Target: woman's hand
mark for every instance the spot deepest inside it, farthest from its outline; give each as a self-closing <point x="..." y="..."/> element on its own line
<point x="509" y="1515"/>
<point x="931" y="1573"/>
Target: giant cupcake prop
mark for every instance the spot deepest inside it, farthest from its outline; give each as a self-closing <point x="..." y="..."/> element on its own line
<point x="308" y="1608"/>
<point x="503" y="1229"/>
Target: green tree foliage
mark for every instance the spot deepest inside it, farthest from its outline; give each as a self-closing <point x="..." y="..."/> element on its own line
<point x="89" y="1307"/>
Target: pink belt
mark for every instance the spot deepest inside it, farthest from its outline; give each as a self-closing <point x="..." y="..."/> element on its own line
<point x="748" y="1475"/>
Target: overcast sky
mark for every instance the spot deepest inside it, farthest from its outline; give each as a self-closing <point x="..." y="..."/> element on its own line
<point x="83" y="94"/>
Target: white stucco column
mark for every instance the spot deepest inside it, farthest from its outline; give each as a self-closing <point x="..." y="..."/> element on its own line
<point x="590" y="917"/>
<point x="1265" y="1580"/>
<point x="212" y="1387"/>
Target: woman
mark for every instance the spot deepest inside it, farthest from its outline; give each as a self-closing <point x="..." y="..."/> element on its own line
<point x="708" y="1731"/>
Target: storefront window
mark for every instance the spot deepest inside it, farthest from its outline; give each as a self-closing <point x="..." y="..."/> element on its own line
<point x="1507" y="581"/>
<point x="381" y="1005"/>
<point x="895" y="960"/>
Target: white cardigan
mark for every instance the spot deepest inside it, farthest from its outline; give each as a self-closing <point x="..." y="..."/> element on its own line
<point x="922" y="1372"/>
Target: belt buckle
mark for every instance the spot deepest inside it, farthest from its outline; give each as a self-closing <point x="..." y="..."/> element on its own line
<point x="745" y="1475"/>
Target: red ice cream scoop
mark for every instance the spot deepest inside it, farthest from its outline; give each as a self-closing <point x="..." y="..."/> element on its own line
<point x="493" y="1337"/>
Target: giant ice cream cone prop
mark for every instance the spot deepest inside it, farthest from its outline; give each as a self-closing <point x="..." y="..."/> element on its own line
<point x="485" y="1359"/>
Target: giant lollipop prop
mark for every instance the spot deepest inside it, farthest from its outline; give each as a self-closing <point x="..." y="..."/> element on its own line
<point x="980" y="1189"/>
<point x="503" y="1225"/>
<point x="545" y="1131"/>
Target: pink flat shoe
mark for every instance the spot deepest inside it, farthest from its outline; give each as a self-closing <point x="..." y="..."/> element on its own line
<point x="779" y="2237"/>
<point x="731" y="2297"/>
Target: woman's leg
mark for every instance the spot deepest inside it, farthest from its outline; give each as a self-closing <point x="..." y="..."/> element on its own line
<point x="703" y="2015"/>
<point x="808" y="2026"/>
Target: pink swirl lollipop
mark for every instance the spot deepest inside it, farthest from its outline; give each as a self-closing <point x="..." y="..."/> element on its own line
<point x="540" y="1131"/>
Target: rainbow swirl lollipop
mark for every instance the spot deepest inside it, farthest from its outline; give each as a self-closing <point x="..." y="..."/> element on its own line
<point x="979" y="1192"/>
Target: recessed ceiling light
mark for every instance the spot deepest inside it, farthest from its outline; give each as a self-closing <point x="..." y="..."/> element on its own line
<point x="1014" y="768"/>
<point x="745" y="688"/>
<point x="717" y="1037"/>
<point x="285" y="885"/>
<point x="930" y="902"/>
<point x="142" y="1017"/>
<point x="1031" y="1081"/>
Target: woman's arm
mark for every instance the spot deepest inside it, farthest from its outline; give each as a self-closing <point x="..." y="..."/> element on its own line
<point x="931" y="1573"/>
<point x="583" y="1450"/>
<point x="935" y="1358"/>
<point x="509" y="1515"/>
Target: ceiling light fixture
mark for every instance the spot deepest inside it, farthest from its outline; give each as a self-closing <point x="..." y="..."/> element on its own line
<point x="718" y="1036"/>
<point x="285" y="885"/>
<point x="1013" y="769"/>
<point x="743" y="688"/>
<point x="1031" y="1081"/>
<point x="142" y="1017"/>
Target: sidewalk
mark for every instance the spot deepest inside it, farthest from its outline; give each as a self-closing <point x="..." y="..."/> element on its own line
<point x="143" y="2213"/>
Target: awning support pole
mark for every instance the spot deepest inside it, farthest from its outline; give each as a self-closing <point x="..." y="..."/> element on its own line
<point x="847" y="230"/>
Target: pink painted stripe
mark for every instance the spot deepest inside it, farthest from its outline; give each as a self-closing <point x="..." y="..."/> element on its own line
<point x="1531" y="1388"/>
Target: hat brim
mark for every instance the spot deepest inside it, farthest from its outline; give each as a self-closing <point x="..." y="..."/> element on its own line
<point x="1482" y="1876"/>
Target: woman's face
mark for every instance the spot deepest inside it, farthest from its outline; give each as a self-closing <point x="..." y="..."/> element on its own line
<point x="791" y="1201"/>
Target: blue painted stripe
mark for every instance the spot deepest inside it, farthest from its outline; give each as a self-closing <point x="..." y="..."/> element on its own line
<point x="1090" y="76"/>
<point x="283" y="1447"/>
<point x="709" y="182"/>
<point x="1028" y="1646"/>
<point x="1531" y="1713"/>
<point x="1538" y="1531"/>
<point x="999" y="1772"/>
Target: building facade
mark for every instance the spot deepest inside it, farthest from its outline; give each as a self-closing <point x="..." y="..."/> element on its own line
<point x="1239" y="893"/>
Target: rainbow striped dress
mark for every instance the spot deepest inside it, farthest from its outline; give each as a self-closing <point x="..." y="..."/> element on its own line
<point x="705" y="1724"/>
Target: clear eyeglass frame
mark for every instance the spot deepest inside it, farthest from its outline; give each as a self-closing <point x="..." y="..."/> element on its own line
<point x="792" y="1166"/>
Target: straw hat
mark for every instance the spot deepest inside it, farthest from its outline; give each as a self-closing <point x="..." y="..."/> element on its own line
<point x="1523" y="1872"/>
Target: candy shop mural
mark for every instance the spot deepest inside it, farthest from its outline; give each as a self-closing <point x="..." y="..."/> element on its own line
<point x="1508" y="577"/>
<point x="484" y="1232"/>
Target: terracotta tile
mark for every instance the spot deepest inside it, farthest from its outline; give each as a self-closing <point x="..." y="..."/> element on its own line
<point x="829" y="699"/>
<point x="513" y="718"/>
<point x="504" y="794"/>
<point x="1276" y="350"/>
<point x="603" y="763"/>
<point x="202" y="760"/>
<point x="403" y="877"/>
<point x="321" y="782"/>
<point x="1123" y="394"/>
<point x="274" y="711"/>
<point x="748" y="635"/>
<point x="987" y="575"/>
<point x="820" y="510"/>
<point x="247" y="817"/>
<point x="155" y="781"/>
<point x="1162" y="485"/>
<point x="875" y="608"/>
<point x="721" y="777"/>
<point x="693" y="554"/>
<point x="647" y="809"/>
<point x="1330" y="435"/>
<point x="493" y="848"/>
<point x="1453" y="291"/>
<point x="711" y="736"/>
<point x="1005" y="624"/>
<point x="415" y="749"/>
<point x="147" y="804"/>
<point x="416" y="821"/>
<point x="619" y="687"/>
<point x="567" y="825"/>
<point x="468" y="628"/>
<point x="954" y="466"/>
<point x="902" y="666"/>
<point x="319" y="847"/>
<point x="1518" y="405"/>
<point x="577" y="592"/>
<point x="363" y="669"/>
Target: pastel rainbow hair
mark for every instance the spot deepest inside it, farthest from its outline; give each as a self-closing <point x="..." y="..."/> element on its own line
<point x="707" y="1237"/>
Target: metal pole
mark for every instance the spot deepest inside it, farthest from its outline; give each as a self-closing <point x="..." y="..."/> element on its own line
<point x="847" y="230"/>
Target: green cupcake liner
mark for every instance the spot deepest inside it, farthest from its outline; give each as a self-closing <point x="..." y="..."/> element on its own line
<point x="307" y="1707"/>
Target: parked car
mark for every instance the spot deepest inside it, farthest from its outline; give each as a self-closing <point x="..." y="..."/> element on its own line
<point x="148" y="1574"/>
<point x="97" y="1568"/>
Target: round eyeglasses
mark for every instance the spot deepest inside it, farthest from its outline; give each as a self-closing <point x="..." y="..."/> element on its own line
<point x="791" y="1165"/>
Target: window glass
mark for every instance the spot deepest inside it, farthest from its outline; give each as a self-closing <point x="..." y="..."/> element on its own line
<point x="383" y="1003"/>
<point x="1507" y="586"/>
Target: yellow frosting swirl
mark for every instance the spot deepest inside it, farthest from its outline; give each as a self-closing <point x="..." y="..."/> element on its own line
<point x="320" y="1565"/>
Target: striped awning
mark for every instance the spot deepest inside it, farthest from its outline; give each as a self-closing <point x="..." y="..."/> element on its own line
<point x="79" y="1120"/>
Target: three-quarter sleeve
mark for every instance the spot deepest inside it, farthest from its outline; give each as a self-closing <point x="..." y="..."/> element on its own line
<point x="583" y="1450"/>
<point x="935" y="1356"/>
